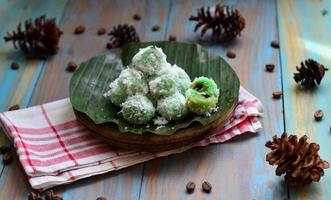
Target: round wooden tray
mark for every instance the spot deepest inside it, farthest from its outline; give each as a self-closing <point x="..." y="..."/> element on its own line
<point x="109" y="133"/>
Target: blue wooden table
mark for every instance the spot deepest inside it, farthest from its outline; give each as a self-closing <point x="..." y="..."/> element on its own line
<point x="236" y="169"/>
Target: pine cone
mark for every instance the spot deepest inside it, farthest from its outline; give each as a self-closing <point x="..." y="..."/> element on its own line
<point x="122" y="34"/>
<point x="298" y="160"/>
<point x="310" y="73"/>
<point x="39" y="39"/>
<point x="224" y="21"/>
<point x="34" y="196"/>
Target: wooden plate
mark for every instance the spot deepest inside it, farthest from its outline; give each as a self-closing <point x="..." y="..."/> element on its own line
<point x="109" y="133"/>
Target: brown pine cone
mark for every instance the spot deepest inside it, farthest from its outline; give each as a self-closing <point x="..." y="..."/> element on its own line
<point x="310" y="73"/>
<point x="222" y="20"/>
<point x="121" y="35"/>
<point x="40" y="38"/>
<point x="34" y="196"/>
<point x="297" y="159"/>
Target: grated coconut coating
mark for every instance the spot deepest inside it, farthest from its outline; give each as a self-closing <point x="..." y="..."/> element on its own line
<point x="149" y="60"/>
<point x="116" y="94"/>
<point x="133" y="82"/>
<point x="183" y="80"/>
<point x="138" y="109"/>
<point x="173" y="107"/>
<point x="163" y="85"/>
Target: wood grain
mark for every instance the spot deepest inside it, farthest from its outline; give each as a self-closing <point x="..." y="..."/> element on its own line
<point x="16" y="87"/>
<point x="304" y="33"/>
<point x="236" y="169"/>
<point x="54" y="82"/>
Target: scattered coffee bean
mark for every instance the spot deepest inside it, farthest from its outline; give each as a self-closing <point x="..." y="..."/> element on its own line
<point x="325" y="12"/>
<point x="7" y="158"/>
<point x="101" y="31"/>
<point x="172" y="38"/>
<point x="136" y="17"/>
<point x="79" y="29"/>
<point x="318" y="115"/>
<point x="4" y="149"/>
<point x="14" y="107"/>
<point x="156" y="28"/>
<point x="14" y="66"/>
<point x="277" y="94"/>
<point x="275" y="44"/>
<point x="101" y="198"/>
<point x="71" y="66"/>
<point x="206" y="186"/>
<point x="231" y="54"/>
<point x="190" y="186"/>
<point x="269" y="67"/>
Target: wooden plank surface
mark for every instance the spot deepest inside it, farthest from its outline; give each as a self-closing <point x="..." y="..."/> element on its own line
<point x="54" y="83"/>
<point x="236" y="169"/>
<point x="304" y="33"/>
<point x="16" y="86"/>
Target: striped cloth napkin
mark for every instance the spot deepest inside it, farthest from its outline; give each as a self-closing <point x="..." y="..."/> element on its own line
<point x="55" y="149"/>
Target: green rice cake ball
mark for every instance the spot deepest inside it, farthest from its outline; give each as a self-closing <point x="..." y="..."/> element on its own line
<point x="149" y="60"/>
<point x="173" y="107"/>
<point x="138" y="109"/>
<point x="163" y="85"/>
<point x="202" y="96"/>
<point x="132" y="82"/>
<point x="183" y="80"/>
<point x="116" y="93"/>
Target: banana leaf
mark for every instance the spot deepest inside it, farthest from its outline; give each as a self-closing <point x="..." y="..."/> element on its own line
<point x="92" y="78"/>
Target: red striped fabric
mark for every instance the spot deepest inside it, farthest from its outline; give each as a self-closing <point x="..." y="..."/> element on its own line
<point x="55" y="149"/>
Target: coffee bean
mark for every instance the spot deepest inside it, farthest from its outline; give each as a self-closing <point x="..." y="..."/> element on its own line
<point x="172" y="38"/>
<point x="325" y="12"/>
<point x="318" y="115"/>
<point x="101" y="31"/>
<point x="136" y="17"/>
<point x="231" y="54"/>
<point x="4" y="149"/>
<point x="71" y="66"/>
<point x="190" y="186"/>
<point x="206" y="186"/>
<point x="7" y="158"/>
<point x="277" y="94"/>
<point x="14" y="107"/>
<point x="275" y="44"/>
<point x="79" y="29"/>
<point x="14" y="66"/>
<point x="156" y="28"/>
<point x="269" y="67"/>
<point x="101" y="198"/>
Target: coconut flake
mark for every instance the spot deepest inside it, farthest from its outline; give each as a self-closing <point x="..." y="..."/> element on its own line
<point x="160" y="121"/>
